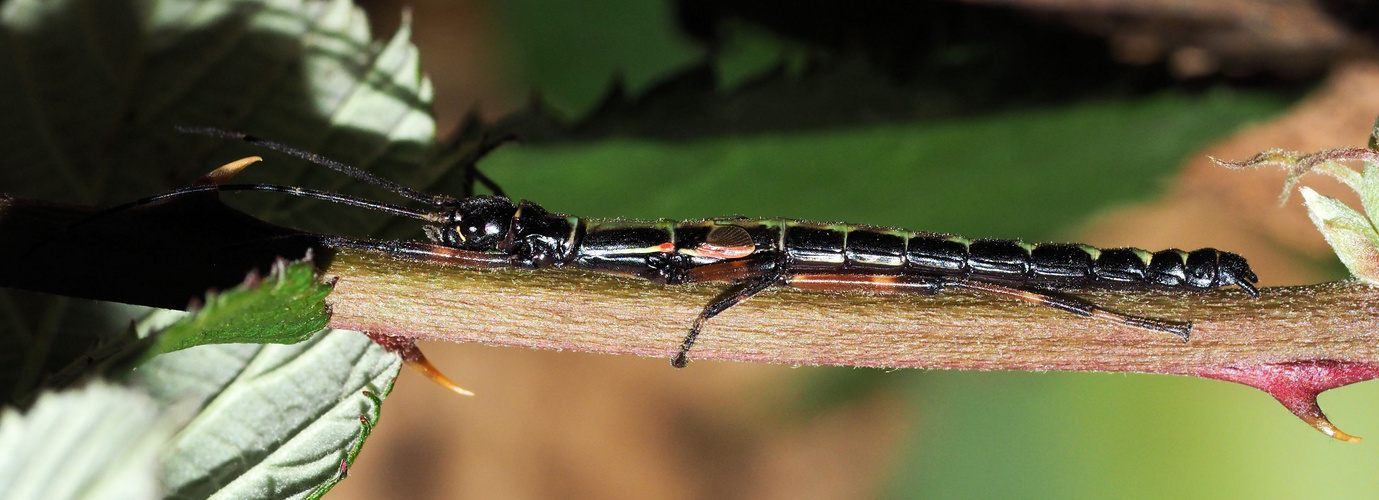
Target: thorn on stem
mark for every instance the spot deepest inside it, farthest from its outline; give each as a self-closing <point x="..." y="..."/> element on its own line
<point x="411" y="354"/>
<point x="225" y="172"/>
<point x="1297" y="384"/>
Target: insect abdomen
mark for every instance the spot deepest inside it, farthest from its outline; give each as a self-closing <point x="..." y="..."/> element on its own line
<point x="867" y="249"/>
<point x="1061" y="265"/>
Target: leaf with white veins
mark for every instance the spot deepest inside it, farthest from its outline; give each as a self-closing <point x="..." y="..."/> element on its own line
<point x="276" y="421"/>
<point x="100" y="441"/>
<point x="89" y="96"/>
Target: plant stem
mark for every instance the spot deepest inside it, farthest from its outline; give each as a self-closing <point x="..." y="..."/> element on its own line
<point x="1292" y="342"/>
<point x="570" y="309"/>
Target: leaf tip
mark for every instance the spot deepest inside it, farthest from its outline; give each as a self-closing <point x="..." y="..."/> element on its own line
<point x="1351" y="235"/>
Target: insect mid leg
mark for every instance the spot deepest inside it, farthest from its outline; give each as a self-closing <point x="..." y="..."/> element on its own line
<point x="1080" y="307"/>
<point x="466" y="153"/>
<point x="734" y="295"/>
<point x="873" y="283"/>
<point x="472" y="174"/>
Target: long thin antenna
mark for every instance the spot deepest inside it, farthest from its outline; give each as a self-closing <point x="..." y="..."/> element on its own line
<point x="388" y="208"/>
<point x="401" y="190"/>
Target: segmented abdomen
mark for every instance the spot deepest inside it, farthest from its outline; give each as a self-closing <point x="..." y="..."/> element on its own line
<point x="833" y="247"/>
<point x="663" y="251"/>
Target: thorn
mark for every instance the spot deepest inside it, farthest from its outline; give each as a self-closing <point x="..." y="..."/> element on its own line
<point x="429" y="371"/>
<point x="225" y="172"/>
<point x="1324" y="425"/>
<point x="1297" y="384"/>
<point x="411" y="354"/>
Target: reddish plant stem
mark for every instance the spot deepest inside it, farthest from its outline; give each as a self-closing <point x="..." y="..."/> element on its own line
<point x="567" y="309"/>
<point x="1328" y="332"/>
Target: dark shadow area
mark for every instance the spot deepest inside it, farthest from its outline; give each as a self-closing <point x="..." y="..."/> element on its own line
<point x="97" y="129"/>
<point x="874" y="62"/>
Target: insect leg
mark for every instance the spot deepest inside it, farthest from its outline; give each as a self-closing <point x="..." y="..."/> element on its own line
<point x="464" y="150"/>
<point x="734" y="295"/>
<point x="473" y="175"/>
<point x="874" y="283"/>
<point x="1080" y="307"/>
<point x="774" y="277"/>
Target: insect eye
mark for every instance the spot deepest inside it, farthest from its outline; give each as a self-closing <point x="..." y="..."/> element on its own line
<point x="481" y="223"/>
<point x="476" y="231"/>
<point x="451" y="237"/>
<point x="482" y="233"/>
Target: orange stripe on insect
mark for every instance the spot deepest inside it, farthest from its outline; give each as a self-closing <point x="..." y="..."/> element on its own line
<point x="722" y="252"/>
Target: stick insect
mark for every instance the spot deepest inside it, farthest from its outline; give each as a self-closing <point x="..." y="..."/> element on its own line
<point x="753" y="255"/>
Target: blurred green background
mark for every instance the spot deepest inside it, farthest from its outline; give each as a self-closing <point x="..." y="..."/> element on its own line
<point x="1017" y="121"/>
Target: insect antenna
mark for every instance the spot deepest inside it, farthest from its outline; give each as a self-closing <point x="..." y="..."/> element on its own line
<point x="379" y="206"/>
<point x="400" y="189"/>
<point x="388" y="208"/>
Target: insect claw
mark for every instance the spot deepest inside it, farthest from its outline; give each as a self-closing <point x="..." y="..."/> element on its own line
<point x="1184" y="331"/>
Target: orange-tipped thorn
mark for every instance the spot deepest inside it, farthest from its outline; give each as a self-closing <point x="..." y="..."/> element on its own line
<point x="428" y="370"/>
<point x="1324" y="425"/>
<point x="1297" y="384"/>
<point x="225" y="172"/>
<point x="411" y="354"/>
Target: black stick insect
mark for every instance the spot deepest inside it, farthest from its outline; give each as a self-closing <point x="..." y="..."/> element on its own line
<point x="753" y="255"/>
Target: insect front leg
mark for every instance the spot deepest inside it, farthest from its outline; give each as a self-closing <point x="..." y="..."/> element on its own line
<point x="752" y="275"/>
<point x="739" y="293"/>
<point x="869" y="283"/>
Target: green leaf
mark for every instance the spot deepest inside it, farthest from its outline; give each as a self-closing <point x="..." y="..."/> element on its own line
<point x="751" y="51"/>
<point x="555" y="52"/>
<point x="47" y="341"/>
<point x="1368" y="189"/>
<point x="1374" y="135"/>
<point x="275" y="421"/>
<point x="286" y="308"/>
<point x="1021" y="175"/>
<point x="1350" y="234"/>
<point x="89" y="106"/>
<point x="92" y="88"/>
<point x="89" y="96"/>
<point x="99" y="441"/>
